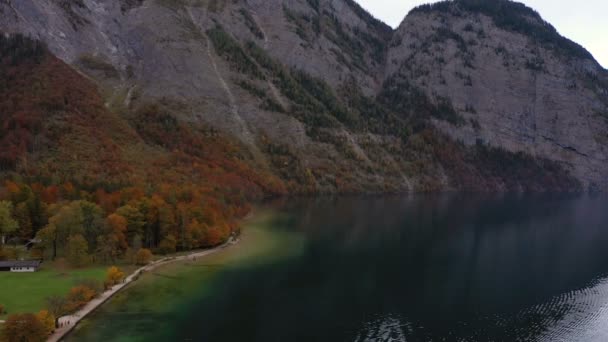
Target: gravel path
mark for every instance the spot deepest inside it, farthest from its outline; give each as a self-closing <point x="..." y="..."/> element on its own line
<point x="68" y="323"/>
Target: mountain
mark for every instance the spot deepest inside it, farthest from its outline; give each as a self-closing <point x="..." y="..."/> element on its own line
<point x="464" y="95"/>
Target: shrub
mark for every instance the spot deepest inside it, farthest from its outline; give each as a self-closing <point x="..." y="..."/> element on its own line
<point x="143" y="256"/>
<point x="114" y="276"/>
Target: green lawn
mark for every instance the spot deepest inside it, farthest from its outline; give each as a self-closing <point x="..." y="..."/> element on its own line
<point x="26" y="292"/>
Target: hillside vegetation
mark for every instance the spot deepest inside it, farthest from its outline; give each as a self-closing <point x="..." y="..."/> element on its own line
<point x="72" y="168"/>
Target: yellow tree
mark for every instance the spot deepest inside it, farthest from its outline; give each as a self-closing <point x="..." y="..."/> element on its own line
<point x="48" y="320"/>
<point x="114" y="276"/>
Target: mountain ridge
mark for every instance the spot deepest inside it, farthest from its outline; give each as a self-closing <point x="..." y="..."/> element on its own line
<point x="332" y="100"/>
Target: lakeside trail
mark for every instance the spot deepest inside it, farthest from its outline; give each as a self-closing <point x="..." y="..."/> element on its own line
<point x="69" y="322"/>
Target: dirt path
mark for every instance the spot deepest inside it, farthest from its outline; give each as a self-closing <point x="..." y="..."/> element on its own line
<point x="68" y="323"/>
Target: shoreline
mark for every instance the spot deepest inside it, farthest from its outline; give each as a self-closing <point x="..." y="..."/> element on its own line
<point x="90" y="307"/>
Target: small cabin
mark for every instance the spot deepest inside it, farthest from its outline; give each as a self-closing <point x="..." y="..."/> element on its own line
<point x="20" y="265"/>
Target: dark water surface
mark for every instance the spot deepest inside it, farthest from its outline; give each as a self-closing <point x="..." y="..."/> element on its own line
<point x="425" y="268"/>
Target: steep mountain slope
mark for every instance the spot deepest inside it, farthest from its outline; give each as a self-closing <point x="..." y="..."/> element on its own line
<point x="55" y="129"/>
<point x="513" y="81"/>
<point x="326" y="97"/>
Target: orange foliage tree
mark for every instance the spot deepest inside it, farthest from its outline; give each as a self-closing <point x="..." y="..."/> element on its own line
<point x="24" y="327"/>
<point x="79" y="296"/>
<point x="143" y="256"/>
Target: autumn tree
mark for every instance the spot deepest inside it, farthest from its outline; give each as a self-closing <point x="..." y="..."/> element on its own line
<point x="57" y="306"/>
<point x="92" y="222"/>
<point x="8" y="225"/>
<point x="196" y="234"/>
<point x="117" y="226"/>
<point x="168" y="245"/>
<point x="48" y="321"/>
<point x="37" y="210"/>
<point x="48" y="239"/>
<point x="113" y="243"/>
<point x="114" y="276"/>
<point x="143" y="256"/>
<point x="77" y="251"/>
<point x="29" y="210"/>
<point x="23" y="218"/>
<point x="79" y="296"/>
<point x="68" y="221"/>
<point x="107" y="248"/>
<point x="24" y="328"/>
<point x="135" y="223"/>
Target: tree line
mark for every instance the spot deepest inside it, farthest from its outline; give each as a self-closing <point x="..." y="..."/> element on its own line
<point x="62" y="221"/>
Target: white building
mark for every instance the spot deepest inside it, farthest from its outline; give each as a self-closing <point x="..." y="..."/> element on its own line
<point x="19" y="265"/>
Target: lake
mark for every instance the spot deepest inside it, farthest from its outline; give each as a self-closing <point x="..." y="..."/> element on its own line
<point x="418" y="268"/>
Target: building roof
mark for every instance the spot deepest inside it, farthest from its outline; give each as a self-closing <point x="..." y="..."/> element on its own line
<point x="20" y="263"/>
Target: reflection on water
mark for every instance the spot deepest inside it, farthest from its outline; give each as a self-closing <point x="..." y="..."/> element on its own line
<point x="424" y="268"/>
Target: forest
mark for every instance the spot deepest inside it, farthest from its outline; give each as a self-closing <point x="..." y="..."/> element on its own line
<point x="85" y="227"/>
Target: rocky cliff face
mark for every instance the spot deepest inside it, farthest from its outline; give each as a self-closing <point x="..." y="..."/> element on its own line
<point x="330" y="99"/>
<point x="512" y="80"/>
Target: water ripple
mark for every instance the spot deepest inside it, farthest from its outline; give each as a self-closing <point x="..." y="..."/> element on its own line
<point x="582" y="315"/>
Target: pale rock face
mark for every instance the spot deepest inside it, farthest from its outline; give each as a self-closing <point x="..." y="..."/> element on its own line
<point x="163" y="40"/>
<point x="547" y="111"/>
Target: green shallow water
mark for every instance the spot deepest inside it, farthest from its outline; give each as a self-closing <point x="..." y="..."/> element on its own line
<point x="421" y="268"/>
<point x="149" y="309"/>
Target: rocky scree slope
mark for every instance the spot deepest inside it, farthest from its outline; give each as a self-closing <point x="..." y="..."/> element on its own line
<point x="329" y="99"/>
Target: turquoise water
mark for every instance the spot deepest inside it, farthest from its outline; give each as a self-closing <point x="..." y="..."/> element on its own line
<point x="422" y="268"/>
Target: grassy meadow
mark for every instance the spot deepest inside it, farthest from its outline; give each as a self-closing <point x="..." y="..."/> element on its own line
<point x="27" y="292"/>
